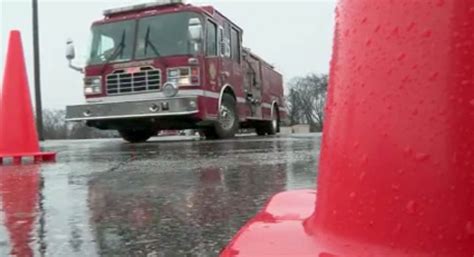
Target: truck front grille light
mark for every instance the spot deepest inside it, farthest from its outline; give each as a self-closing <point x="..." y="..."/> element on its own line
<point x="133" y="80"/>
<point x="92" y="86"/>
<point x="184" y="76"/>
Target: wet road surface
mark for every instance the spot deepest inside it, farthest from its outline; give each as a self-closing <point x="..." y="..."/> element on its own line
<point x="167" y="197"/>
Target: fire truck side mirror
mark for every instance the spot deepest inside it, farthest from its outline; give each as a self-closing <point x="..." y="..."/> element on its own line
<point x="71" y="54"/>
<point x="70" y="50"/>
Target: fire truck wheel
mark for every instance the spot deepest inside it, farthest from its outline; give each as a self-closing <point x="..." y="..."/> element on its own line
<point x="273" y="125"/>
<point x="209" y="133"/>
<point x="228" y="122"/>
<point x="261" y="130"/>
<point x="135" y="136"/>
<point x="269" y="127"/>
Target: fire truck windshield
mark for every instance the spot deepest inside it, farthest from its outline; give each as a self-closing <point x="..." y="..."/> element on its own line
<point x="164" y="35"/>
<point x="160" y="35"/>
<point x="112" y="42"/>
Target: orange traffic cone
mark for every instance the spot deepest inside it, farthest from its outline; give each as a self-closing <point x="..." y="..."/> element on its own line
<point x="18" y="136"/>
<point x="396" y="173"/>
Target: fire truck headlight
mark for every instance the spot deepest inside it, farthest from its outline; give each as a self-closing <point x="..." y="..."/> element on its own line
<point x="170" y="89"/>
<point x="184" y="76"/>
<point x="184" y="81"/>
<point x="92" y="86"/>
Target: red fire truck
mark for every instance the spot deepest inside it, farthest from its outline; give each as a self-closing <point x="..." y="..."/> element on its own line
<point x="169" y="65"/>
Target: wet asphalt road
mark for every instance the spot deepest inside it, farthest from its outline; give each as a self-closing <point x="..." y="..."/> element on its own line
<point x="167" y="197"/>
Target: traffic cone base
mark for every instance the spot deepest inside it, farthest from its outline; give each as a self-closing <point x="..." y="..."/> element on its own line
<point x="36" y="157"/>
<point x="278" y="229"/>
<point x="18" y="136"/>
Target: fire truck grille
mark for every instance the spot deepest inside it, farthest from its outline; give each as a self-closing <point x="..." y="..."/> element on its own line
<point x="133" y="80"/>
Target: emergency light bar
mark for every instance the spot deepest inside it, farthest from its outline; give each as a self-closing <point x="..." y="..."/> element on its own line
<point x="142" y="6"/>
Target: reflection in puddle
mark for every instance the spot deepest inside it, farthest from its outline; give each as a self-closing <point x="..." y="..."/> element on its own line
<point x="19" y="189"/>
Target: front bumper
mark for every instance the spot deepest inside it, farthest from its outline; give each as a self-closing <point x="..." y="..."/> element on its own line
<point x="133" y="109"/>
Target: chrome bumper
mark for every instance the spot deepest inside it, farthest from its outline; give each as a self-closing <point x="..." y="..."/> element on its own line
<point x="134" y="109"/>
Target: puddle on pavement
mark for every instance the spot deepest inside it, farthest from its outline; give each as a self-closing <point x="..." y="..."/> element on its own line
<point x="173" y="198"/>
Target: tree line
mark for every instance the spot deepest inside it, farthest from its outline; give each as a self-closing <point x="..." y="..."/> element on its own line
<point x="56" y="127"/>
<point x="306" y="99"/>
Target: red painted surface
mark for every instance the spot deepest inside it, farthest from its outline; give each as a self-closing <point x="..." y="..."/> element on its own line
<point x="278" y="229"/>
<point x="19" y="197"/>
<point x="18" y="136"/>
<point x="396" y="171"/>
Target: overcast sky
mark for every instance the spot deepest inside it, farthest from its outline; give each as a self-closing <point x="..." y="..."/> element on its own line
<point x="295" y="36"/>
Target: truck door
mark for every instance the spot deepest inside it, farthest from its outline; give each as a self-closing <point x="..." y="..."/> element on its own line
<point x="213" y="60"/>
<point x="231" y="68"/>
<point x="252" y="84"/>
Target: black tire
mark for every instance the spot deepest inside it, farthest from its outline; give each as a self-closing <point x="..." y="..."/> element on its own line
<point x="273" y="127"/>
<point x="228" y="125"/>
<point x="261" y="130"/>
<point x="136" y="135"/>
<point x="209" y="133"/>
<point x="269" y="127"/>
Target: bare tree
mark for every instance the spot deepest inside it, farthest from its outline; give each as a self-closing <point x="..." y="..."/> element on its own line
<point x="56" y="127"/>
<point x="79" y="130"/>
<point x="307" y="99"/>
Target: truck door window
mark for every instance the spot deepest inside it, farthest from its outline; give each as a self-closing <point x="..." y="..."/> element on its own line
<point x="220" y="40"/>
<point x="211" y="39"/>
<point x="235" y="45"/>
<point x="225" y="40"/>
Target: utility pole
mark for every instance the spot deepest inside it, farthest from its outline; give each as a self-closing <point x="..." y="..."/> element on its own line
<point x="36" y="53"/>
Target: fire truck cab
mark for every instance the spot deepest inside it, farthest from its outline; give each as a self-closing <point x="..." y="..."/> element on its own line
<point x="170" y="66"/>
